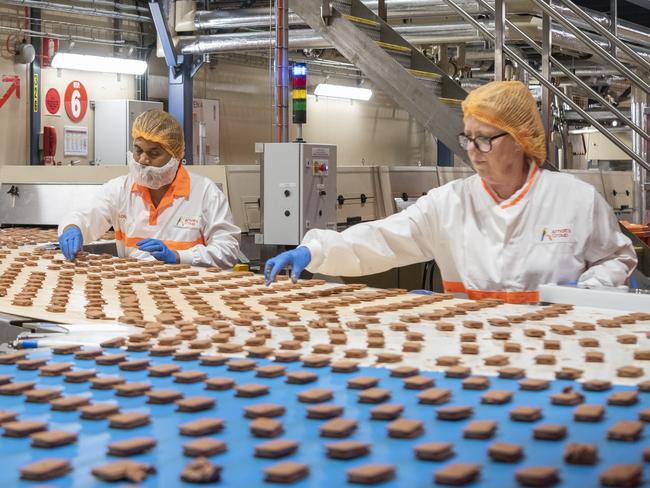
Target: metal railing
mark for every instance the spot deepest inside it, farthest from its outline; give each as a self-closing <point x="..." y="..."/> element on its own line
<point x="576" y="79"/>
<point x="614" y="41"/>
<point x="547" y="84"/>
<point x="548" y="10"/>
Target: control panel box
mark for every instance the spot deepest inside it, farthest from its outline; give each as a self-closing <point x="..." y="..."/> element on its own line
<point x="298" y="191"/>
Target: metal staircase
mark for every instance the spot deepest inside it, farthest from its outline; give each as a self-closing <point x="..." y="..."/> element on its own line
<point x="396" y="67"/>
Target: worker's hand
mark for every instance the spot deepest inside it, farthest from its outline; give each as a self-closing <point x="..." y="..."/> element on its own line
<point x="297" y="260"/>
<point x="158" y="250"/>
<point x="70" y="242"/>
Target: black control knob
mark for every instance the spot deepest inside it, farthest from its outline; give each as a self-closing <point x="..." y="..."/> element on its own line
<point x="287" y="213"/>
<point x="322" y="193"/>
<point x="363" y="198"/>
<point x="287" y="193"/>
<point x="341" y="199"/>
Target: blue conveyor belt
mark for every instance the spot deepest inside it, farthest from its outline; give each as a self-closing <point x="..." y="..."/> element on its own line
<point x="242" y="469"/>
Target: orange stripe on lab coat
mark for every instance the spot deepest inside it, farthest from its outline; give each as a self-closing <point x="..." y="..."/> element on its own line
<point x="529" y="183"/>
<point x="507" y="296"/>
<point x="173" y="245"/>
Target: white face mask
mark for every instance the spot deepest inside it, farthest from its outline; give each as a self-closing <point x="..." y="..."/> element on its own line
<point x="151" y="176"/>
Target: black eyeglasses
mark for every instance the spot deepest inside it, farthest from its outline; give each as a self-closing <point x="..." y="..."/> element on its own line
<point x="482" y="143"/>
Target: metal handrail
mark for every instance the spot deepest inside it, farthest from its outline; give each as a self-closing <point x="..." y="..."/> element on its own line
<point x="606" y="33"/>
<point x="544" y="7"/>
<point x="576" y="79"/>
<point x="547" y="84"/>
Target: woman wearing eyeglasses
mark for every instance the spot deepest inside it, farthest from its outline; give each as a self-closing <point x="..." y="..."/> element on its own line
<point x="499" y="233"/>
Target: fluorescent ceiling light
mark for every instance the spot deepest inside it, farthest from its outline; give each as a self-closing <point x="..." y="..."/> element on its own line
<point x="340" y="91"/>
<point x="102" y="64"/>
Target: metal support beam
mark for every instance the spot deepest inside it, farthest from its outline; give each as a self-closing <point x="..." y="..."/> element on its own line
<point x="35" y="92"/>
<point x="181" y="70"/>
<point x="382" y="10"/>
<point x="326" y="11"/>
<point x="180" y="98"/>
<point x="197" y="64"/>
<point x="281" y="78"/>
<point x="638" y="107"/>
<point x="499" y="39"/>
<point x="547" y="113"/>
<point x="142" y="86"/>
<point x="613" y="24"/>
<point x="160" y="22"/>
<point x="445" y="156"/>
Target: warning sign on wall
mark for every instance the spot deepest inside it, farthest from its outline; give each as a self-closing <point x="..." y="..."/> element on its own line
<point x="76" y="101"/>
<point x="52" y="101"/>
<point x="13" y="88"/>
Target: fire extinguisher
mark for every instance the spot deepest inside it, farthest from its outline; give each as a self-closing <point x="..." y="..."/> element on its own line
<point x="49" y="49"/>
<point x="49" y="145"/>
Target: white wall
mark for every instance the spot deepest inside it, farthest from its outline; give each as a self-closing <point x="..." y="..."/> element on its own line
<point x="368" y="133"/>
<point x="374" y="132"/>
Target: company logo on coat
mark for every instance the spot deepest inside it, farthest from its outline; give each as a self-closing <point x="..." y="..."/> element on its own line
<point x="556" y="234"/>
<point x="189" y="222"/>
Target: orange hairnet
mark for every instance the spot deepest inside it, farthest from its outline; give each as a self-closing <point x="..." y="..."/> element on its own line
<point x="158" y="126"/>
<point x="510" y="106"/>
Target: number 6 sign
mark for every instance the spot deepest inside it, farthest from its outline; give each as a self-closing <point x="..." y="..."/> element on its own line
<point x="76" y="101"/>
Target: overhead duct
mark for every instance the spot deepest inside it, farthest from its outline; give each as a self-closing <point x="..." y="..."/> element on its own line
<point x="307" y="38"/>
<point x="260" y="16"/>
<point x="235" y="19"/>
<point x="249" y="41"/>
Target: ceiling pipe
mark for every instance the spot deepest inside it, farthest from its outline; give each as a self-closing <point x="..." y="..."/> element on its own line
<point x="415" y="34"/>
<point x="68" y="37"/>
<point x="114" y="5"/>
<point x="260" y="17"/>
<point x="77" y="10"/>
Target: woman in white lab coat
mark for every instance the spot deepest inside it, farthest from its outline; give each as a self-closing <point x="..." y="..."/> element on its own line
<point x="159" y="210"/>
<point x="499" y="233"/>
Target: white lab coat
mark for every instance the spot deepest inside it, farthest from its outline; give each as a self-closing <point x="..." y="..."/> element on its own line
<point x="551" y="230"/>
<point x="193" y="219"/>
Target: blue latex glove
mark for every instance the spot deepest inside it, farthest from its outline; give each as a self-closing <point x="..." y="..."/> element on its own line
<point x="70" y="242"/>
<point x="158" y="250"/>
<point x="297" y="259"/>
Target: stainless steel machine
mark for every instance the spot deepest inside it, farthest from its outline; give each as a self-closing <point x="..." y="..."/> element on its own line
<point x="298" y="191"/>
